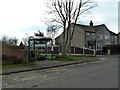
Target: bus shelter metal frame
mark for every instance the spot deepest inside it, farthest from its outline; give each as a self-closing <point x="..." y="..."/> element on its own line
<point x="32" y="42"/>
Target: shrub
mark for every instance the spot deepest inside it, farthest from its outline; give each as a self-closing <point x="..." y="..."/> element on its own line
<point x="115" y="49"/>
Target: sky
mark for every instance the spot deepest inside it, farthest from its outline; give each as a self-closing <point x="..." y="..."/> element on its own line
<point x="21" y="18"/>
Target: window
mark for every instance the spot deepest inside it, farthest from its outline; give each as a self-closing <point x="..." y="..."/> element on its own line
<point x="106" y="37"/>
<point x="100" y="36"/>
<point x="115" y="37"/>
<point x="99" y="47"/>
<point x="32" y="44"/>
<point x="87" y="34"/>
<point x="93" y="35"/>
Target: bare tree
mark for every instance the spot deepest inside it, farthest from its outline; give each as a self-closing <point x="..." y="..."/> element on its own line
<point x="6" y="41"/>
<point x="15" y="40"/>
<point x="12" y="41"/>
<point x="52" y="31"/>
<point x="67" y="12"/>
<point x="25" y="40"/>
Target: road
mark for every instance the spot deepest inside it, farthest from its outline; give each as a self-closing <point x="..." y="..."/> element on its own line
<point x="101" y="74"/>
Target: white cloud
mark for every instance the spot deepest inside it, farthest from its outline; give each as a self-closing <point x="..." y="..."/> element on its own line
<point x="18" y="17"/>
<point x="106" y="13"/>
<point x="106" y="0"/>
<point x="19" y="13"/>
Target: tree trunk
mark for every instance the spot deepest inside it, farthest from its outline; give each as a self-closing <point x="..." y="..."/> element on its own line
<point x="64" y="49"/>
<point x="69" y="43"/>
<point x="69" y="48"/>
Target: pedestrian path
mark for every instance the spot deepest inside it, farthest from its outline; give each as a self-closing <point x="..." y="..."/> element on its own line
<point x="38" y="65"/>
<point x="42" y="65"/>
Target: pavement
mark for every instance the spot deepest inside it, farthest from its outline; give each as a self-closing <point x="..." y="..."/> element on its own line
<point x="43" y="65"/>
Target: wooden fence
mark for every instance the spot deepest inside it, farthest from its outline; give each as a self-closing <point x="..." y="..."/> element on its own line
<point x="74" y="50"/>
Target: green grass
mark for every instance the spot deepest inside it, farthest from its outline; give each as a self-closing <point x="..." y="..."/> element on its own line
<point x="74" y="58"/>
<point x="56" y="58"/>
<point x="7" y="66"/>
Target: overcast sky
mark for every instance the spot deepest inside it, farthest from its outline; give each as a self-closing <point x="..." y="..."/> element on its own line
<point x="18" y="17"/>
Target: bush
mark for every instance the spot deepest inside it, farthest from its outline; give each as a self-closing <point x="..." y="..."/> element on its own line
<point x="115" y="49"/>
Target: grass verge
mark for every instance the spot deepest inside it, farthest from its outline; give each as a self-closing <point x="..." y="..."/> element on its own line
<point x="7" y="66"/>
<point x="81" y="58"/>
<point x="74" y="58"/>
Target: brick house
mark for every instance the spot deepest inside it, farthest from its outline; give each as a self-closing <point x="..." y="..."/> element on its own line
<point x="92" y="37"/>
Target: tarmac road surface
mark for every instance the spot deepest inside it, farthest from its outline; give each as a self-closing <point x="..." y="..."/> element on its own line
<point x="102" y="74"/>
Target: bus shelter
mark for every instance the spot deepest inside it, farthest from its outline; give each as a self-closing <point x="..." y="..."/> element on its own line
<point x="40" y="48"/>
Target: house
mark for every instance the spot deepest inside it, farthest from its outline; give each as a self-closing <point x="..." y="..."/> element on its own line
<point x="104" y="36"/>
<point x="90" y="36"/>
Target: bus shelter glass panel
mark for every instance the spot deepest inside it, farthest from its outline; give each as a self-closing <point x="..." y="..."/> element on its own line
<point x="31" y="49"/>
<point x="40" y="50"/>
<point x="31" y="45"/>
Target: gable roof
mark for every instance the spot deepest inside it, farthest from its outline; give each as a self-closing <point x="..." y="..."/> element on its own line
<point x="86" y="28"/>
<point x="99" y="27"/>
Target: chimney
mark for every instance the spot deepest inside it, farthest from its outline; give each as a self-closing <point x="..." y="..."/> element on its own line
<point x="91" y="23"/>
